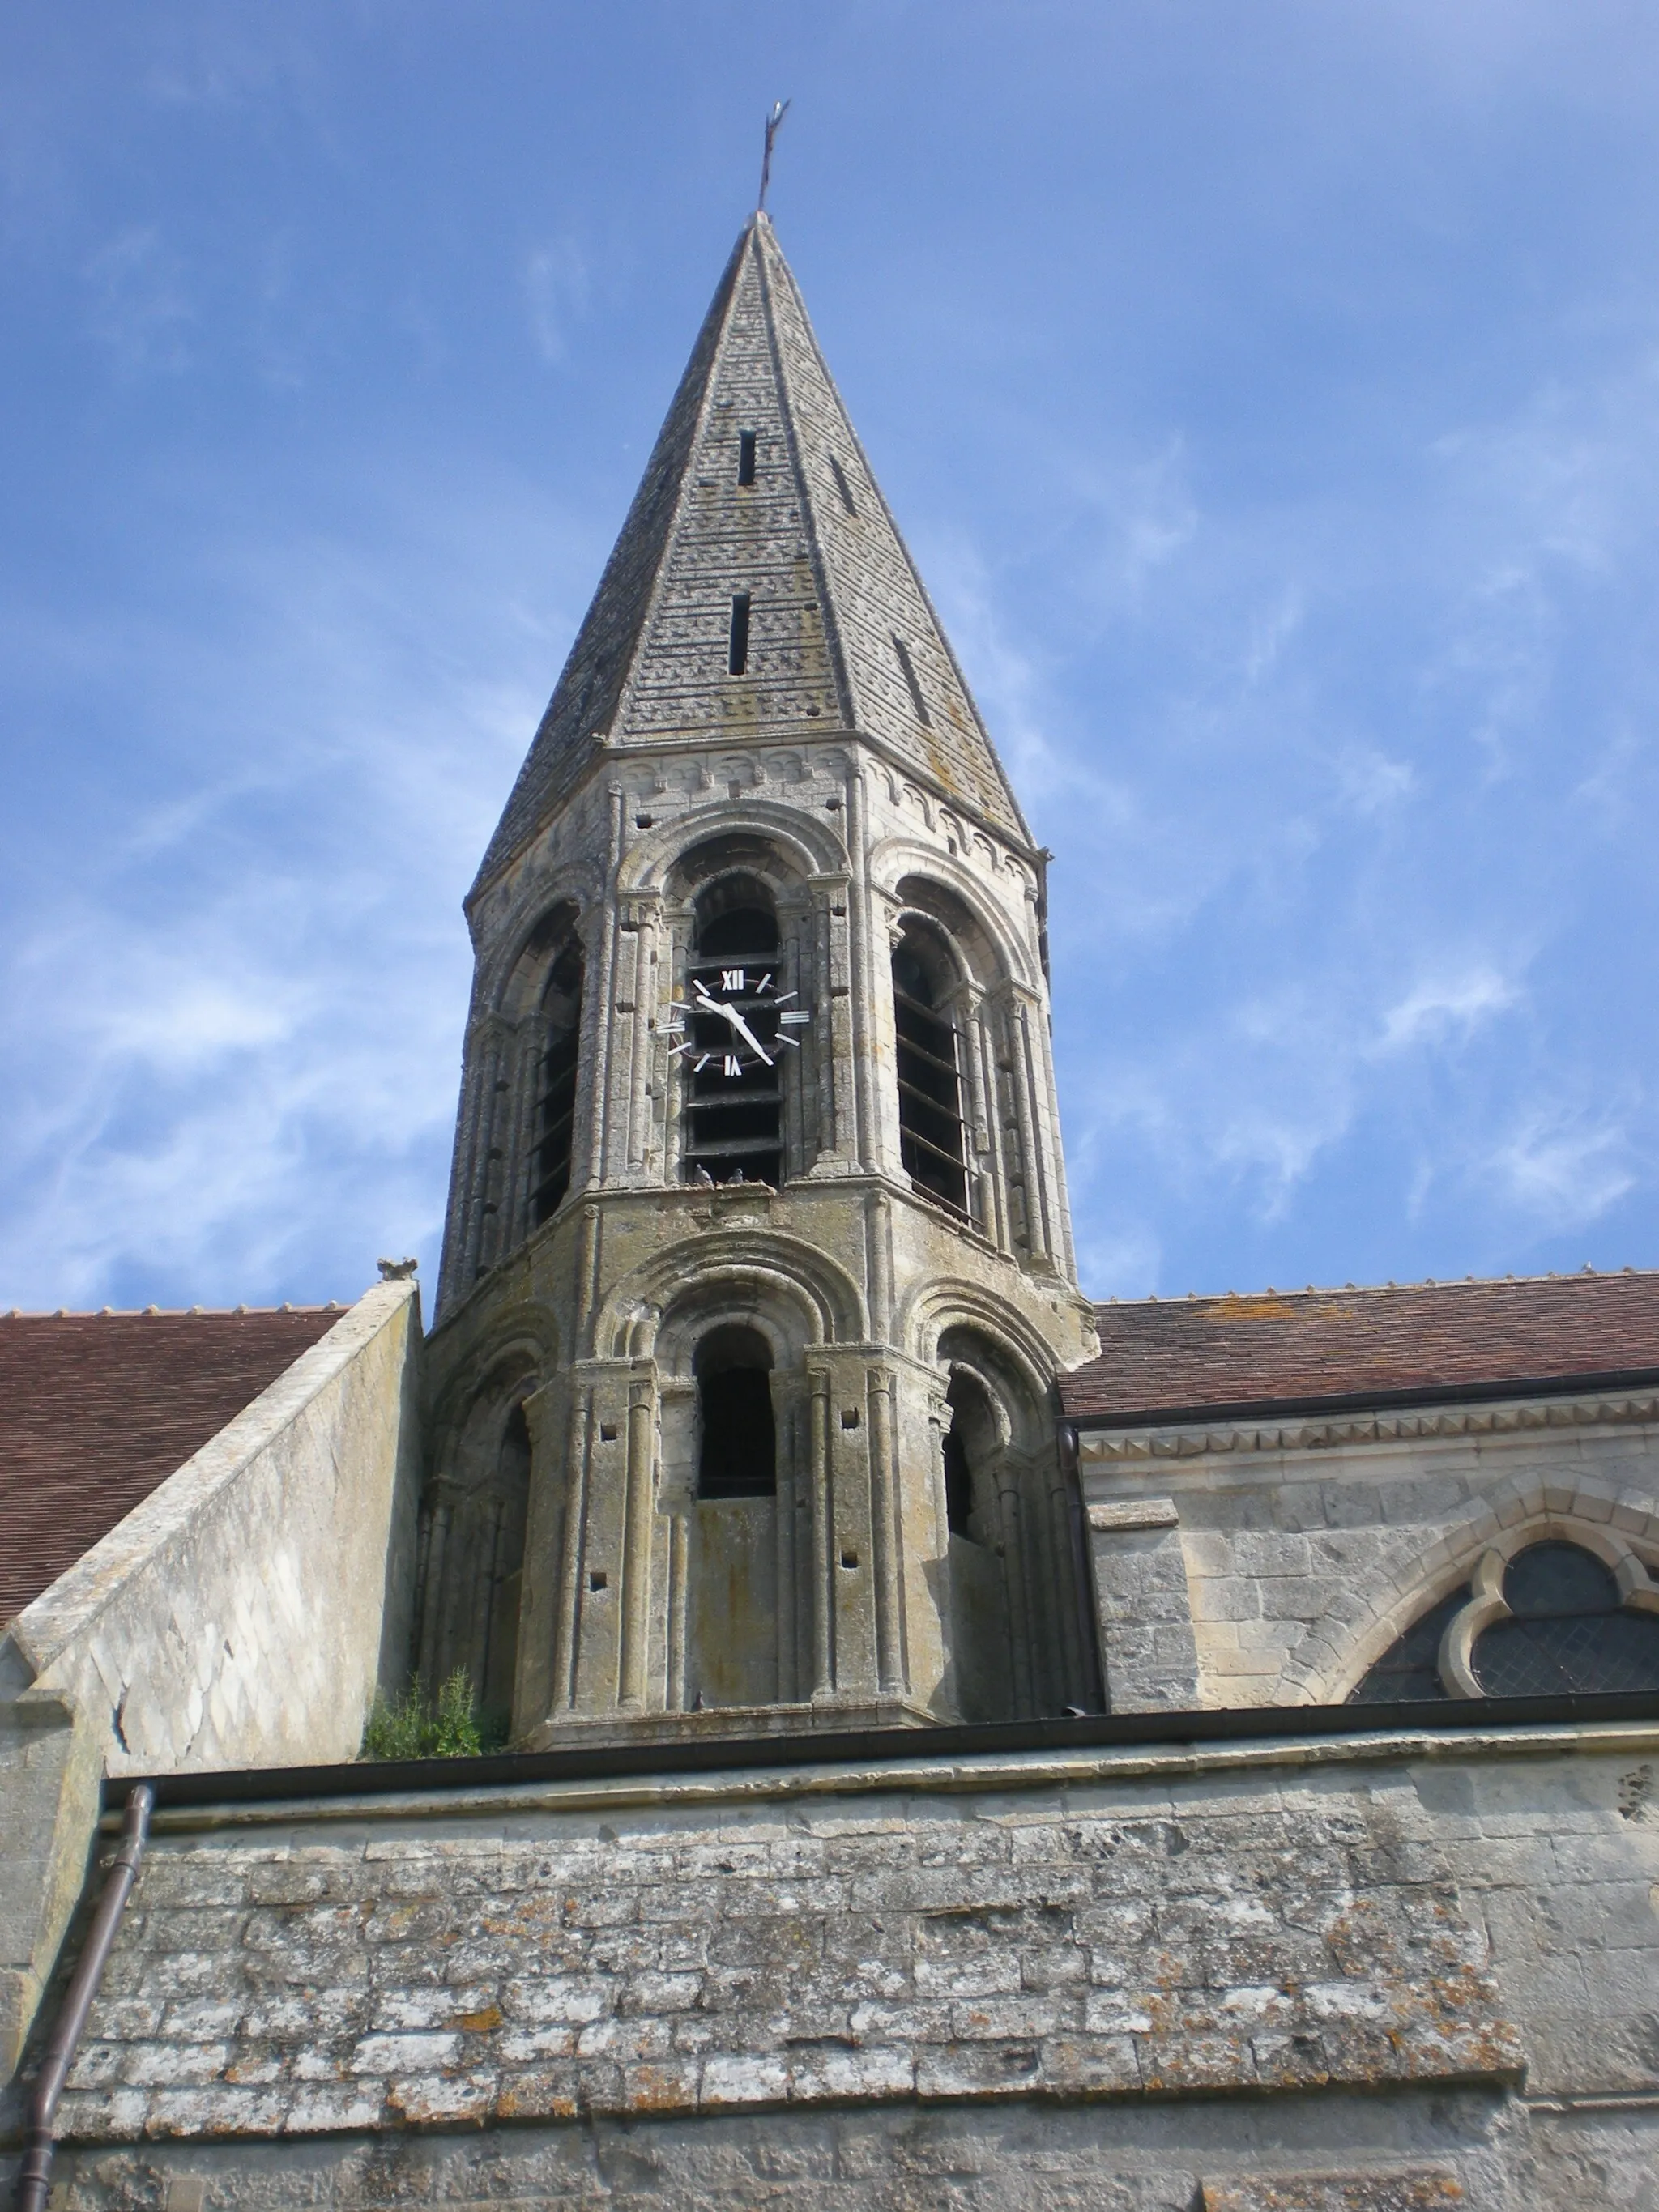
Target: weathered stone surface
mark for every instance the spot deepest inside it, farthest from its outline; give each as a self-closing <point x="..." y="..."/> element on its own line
<point x="1162" y="1936"/>
<point x="1483" y="2152"/>
<point x="244" y="1614"/>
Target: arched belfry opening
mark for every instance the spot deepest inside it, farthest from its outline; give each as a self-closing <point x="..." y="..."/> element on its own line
<point x="737" y="1447"/>
<point x="734" y="1049"/>
<point x="933" y="1139"/>
<point x="556" y="1089"/>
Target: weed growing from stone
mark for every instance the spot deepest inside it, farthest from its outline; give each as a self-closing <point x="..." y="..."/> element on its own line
<point x="449" y="1726"/>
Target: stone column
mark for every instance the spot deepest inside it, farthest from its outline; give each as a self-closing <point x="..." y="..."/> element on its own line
<point x="886" y="1543"/>
<point x="540" y="1590"/>
<point x="567" y="1614"/>
<point x="641" y="920"/>
<point x="640" y="1512"/>
<point x="823" y="973"/>
<point x="430" y="1643"/>
<point x="823" y="1594"/>
<point x="1014" y="1534"/>
<point x="1024" y="1008"/>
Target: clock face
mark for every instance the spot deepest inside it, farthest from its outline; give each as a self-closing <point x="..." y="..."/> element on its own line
<point x="735" y="1023"/>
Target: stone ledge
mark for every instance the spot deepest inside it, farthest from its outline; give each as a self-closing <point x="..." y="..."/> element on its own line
<point x="990" y="1772"/>
<point x="1130" y="1513"/>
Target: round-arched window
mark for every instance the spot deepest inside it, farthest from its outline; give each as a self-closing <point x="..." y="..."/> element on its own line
<point x="932" y="1142"/>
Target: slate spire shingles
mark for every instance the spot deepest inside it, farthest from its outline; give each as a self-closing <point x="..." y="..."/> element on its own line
<point x="838" y="607"/>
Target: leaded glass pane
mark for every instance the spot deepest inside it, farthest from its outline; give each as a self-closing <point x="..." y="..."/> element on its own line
<point x="1407" y="1671"/>
<point x="1568" y="1633"/>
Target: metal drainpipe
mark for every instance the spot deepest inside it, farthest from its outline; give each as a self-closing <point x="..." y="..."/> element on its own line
<point x="34" y="2175"/>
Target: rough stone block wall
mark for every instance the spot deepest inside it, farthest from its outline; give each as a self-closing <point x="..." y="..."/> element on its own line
<point x="1025" y="1939"/>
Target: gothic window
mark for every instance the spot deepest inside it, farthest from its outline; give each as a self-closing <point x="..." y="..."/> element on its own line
<point x="734" y="1052"/>
<point x="556" y="1098"/>
<point x="736" y="1453"/>
<point x="1568" y="1630"/>
<point x="931" y="1134"/>
<point x="1562" y="1629"/>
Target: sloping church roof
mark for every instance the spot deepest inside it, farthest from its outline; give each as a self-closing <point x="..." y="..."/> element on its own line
<point x="841" y="629"/>
<point x="97" y="1410"/>
<point x="1162" y="1359"/>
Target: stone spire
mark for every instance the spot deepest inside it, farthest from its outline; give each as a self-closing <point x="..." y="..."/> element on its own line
<point x="757" y="485"/>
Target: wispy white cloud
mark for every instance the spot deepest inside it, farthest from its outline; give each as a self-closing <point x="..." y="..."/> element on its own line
<point x="237" y="1036"/>
<point x="1445" y="1007"/>
<point x="556" y="291"/>
<point x="1565" y="1166"/>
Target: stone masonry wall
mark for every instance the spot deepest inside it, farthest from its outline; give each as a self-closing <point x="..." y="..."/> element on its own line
<point x="1306" y="1548"/>
<point x="1395" y="1915"/>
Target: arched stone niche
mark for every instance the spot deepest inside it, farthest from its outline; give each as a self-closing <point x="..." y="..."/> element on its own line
<point x="730" y="1357"/>
<point x="1000" y="1596"/>
<point x="474" y="1515"/>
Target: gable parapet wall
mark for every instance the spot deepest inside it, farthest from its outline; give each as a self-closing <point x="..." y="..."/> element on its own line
<point x="245" y="1614"/>
<point x="1309" y="1544"/>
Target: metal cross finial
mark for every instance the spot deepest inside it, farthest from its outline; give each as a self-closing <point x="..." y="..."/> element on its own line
<point x="779" y="109"/>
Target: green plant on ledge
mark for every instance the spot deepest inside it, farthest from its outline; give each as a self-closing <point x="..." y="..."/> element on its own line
<point x="449" y="1726"/>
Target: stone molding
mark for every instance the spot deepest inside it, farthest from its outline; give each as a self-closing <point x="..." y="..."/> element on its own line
<point x="1106" y="1447"/>
<point x="923" y="1775"/>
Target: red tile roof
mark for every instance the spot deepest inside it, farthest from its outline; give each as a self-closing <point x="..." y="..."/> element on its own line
<point x="97" y="1409"/>
<point x="1161" y="1358"/>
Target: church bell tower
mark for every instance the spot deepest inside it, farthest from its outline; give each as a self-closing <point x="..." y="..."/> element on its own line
<point x="757" y="1271"/>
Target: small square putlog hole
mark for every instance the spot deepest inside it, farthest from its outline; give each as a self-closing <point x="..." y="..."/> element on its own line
<point x="596" y="1581"/>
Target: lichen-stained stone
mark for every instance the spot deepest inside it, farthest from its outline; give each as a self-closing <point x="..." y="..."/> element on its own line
<point x="1415" y="2191"/>
<point x="1181" y="1936"/>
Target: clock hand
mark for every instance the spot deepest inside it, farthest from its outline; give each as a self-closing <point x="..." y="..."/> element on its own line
<point x="712" y="1006"/>
<point x="748" y="1035"/>
<point x="735" y="1020"/>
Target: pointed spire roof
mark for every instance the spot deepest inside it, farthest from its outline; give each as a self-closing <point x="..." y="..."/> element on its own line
<point x="842" y="632"/>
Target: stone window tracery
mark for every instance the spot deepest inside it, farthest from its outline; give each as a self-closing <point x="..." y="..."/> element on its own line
<point x="1551" y="1620"/>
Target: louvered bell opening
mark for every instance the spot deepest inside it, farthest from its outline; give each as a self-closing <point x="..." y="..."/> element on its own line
<point x="932" y="1140"/>
<point x="556" y="1093"/>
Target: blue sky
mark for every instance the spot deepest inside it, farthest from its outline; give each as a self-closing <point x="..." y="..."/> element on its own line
<point x="1268" y="392"/>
